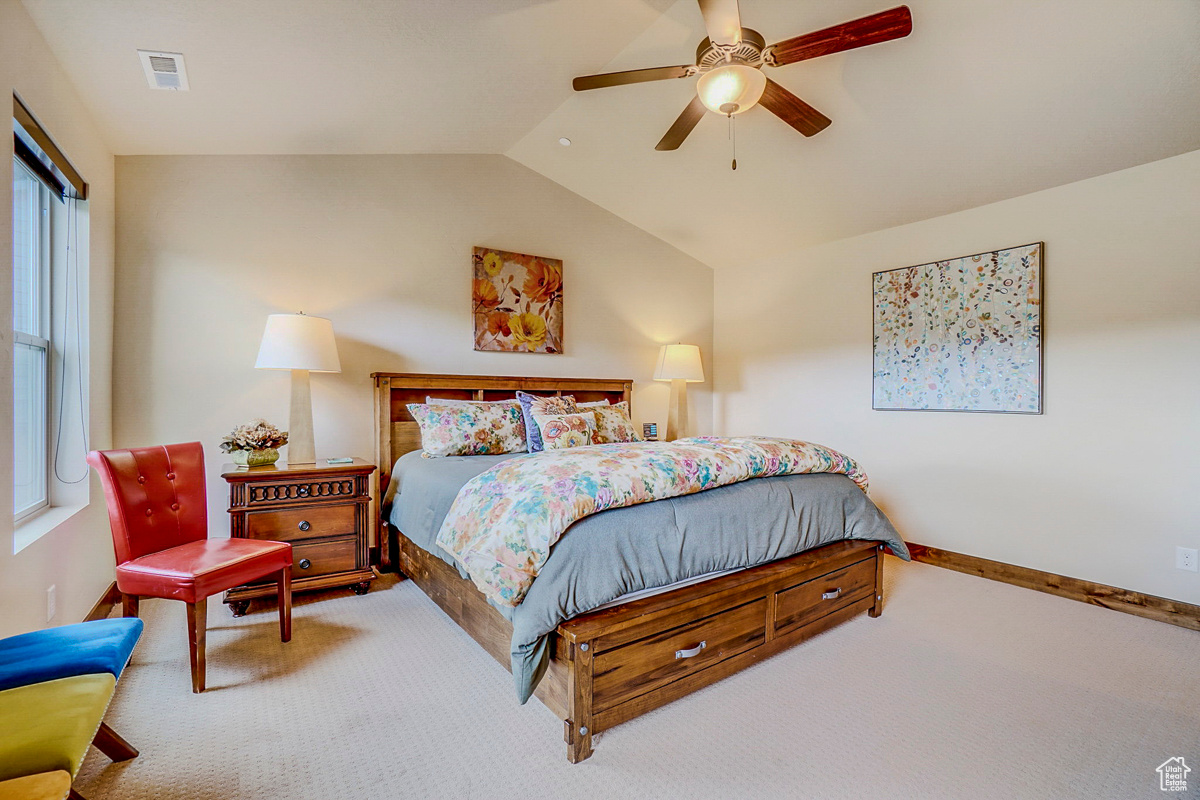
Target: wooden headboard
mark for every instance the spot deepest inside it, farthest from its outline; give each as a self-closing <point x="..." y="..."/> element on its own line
<point x="396" y="433"/>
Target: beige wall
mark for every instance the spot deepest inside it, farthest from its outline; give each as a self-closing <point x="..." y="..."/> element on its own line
<point x="76" y="555"/>
<point x="209" y="246"/>
<point x="1103" y="485"/>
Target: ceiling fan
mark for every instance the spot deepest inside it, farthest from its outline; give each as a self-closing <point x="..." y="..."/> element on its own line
<point x="730" y="61"/>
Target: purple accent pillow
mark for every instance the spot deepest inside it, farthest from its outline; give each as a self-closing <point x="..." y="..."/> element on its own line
<point x="533" y="404"/>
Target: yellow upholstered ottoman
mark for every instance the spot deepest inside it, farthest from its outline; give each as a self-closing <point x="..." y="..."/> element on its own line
<point x="46" y="786"/>
<point x="48" y="726"/>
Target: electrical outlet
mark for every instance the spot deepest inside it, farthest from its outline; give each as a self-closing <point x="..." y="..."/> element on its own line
<point x="51" y="602"/>
<point x="1187" y="558"/>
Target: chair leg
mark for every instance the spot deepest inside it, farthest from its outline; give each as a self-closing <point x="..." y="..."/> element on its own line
<point x="74" y="795"/>
<point x="285" y="604"/>
<point x="129" y="605"/>
<point x="197" y="617"/>
<point x="107" y="741"/>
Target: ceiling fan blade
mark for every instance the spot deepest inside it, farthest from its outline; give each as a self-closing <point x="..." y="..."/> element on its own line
<point x="895" y="23"/>
<point x="683" y="126"/>
<point x="722" y="20"/>
<point x="631" y="76"/>
<point x="792" y="110"/>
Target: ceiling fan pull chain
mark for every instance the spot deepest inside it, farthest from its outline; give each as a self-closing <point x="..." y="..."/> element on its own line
<point x="733" y="141"/>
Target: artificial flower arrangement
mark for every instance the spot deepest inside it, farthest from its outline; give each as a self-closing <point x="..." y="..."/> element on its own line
<point x="254" y="443"/>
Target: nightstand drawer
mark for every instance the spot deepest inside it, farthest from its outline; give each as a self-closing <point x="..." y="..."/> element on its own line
<point x="277" y="493"/>
<point x="302" y="523"/>
<point x="324" y="558"/>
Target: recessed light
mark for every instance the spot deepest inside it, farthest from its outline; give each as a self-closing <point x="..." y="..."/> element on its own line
<point x="564" y="141"/>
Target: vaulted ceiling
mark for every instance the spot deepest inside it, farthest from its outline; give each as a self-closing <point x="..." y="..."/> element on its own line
<point x="333" y="76"/>
<point x="987" y="99"/>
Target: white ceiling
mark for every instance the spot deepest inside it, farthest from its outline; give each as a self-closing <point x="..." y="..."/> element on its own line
<point x="987" y="99"/>
<point x="333" y="76"/>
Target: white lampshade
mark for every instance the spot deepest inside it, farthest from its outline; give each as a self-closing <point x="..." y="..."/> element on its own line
<point x="731" y="89"/>
<point x="297" y="341"/>
<point x="679" y="362"/>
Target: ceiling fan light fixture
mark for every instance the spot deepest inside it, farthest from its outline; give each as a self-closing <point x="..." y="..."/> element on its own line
<point x="731" y="88"/>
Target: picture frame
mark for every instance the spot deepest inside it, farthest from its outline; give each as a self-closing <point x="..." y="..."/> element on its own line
<point x="516" y="302"/>
<point x="962" y="334"/>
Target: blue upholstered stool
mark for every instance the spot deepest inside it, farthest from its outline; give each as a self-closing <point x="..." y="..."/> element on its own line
<point x="68" y="651"/>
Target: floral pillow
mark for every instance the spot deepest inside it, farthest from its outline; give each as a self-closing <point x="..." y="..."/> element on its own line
<point x="613" y="424"/>
<point x="470" y="430"/>
<point x="533" y="404"/>
<point x="560" y="431"/>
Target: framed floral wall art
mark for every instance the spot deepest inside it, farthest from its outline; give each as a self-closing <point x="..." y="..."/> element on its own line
<point x="961" y="335"/>
<point x="517" y="302"/>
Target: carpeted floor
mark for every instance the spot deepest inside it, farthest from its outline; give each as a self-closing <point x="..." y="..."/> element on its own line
<point x="964" y="688"/>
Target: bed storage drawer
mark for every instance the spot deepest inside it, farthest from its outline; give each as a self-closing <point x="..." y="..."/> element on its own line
<point x="801" y="604"/>
<point x="645" y="664"/>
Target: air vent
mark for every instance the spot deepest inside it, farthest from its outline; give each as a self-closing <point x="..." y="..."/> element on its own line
<point x="164" y="70"/>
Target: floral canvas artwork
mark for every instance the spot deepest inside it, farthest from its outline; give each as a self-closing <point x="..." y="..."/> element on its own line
<point x="961" y="335"/>
<point x="517" y="301"/>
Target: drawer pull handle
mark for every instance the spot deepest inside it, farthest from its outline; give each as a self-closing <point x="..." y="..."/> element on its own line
<point x="691" y="652"/>
<point x="304" y="563"/>
<point x="304" y="525"/>
<point x="833" y="595"/>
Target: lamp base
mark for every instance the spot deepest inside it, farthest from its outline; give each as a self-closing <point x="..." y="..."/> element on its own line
<point x="677" y="411"/>
<point x="300" y="448"/>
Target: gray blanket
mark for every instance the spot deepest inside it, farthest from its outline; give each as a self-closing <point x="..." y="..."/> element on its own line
<point x="640" y="547"/>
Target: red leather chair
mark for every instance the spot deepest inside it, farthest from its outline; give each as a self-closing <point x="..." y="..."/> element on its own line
<point x="159" y="518"/>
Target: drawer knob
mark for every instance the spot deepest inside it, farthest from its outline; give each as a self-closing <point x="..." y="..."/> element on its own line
<point x="304" y="525"/>
<point x="302" y="491"/>
<point x="832" y="595"/>
<point x="691" y="651"/>
<point x="304" y="563"/>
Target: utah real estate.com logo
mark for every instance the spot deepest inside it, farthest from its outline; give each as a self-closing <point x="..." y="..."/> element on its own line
<point x="1172" y="775"/>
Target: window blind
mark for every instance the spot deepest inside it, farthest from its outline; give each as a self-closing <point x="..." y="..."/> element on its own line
<point x="36" y="150"/>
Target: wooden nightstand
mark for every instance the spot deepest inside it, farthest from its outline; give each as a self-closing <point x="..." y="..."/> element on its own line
<point x="322" y="509"/>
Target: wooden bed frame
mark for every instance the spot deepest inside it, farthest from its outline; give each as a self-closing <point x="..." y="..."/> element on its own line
<point x="615" y="664"/>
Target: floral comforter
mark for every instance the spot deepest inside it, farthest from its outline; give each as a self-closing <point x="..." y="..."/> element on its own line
<point x="504" y="521"/>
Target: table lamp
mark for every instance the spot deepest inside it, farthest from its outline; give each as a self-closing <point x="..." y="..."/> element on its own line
<point x="679" y="364"/>
<point x="301" y="344"/>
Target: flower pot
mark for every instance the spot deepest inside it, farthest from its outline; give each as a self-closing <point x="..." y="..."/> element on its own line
<point x="255" y="458"/>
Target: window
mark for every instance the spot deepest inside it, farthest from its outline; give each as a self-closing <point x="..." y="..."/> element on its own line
<point x="31" y="340"/>
<point x="49" y="324"/>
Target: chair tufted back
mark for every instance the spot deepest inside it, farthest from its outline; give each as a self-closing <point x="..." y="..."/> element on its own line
<point x="155" y="497"/>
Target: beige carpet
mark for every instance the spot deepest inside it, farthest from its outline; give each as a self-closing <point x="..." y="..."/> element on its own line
<point x="963" y="689"/>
